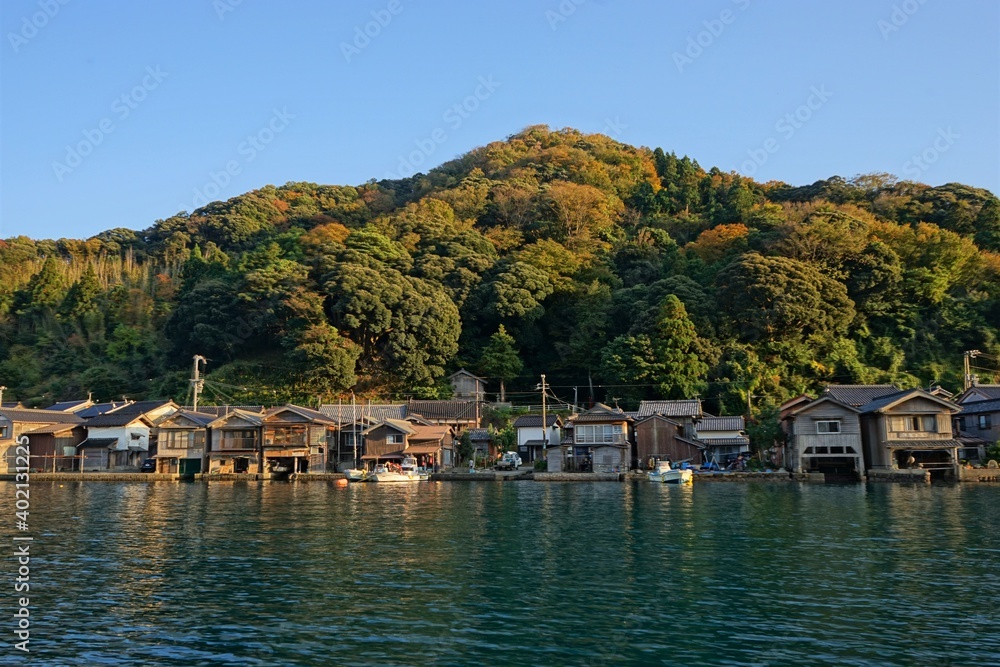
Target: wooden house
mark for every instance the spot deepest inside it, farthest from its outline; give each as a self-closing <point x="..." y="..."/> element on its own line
<point x="599" y="440"/>
<point x="660" y="438"/>
<point x="49" y="434"/>
<point x="182" y="439"/>
<point x="466" y="386"/>
<point x="433" y="446"/>
<point x="687" y="413"/>
<point x="824" y="435"/>
<point x="386" y="440"/>
<point x="296" y="439"/>
<point x="979" y="392"/>
<point x="723" y="438"/>
<point x="236" y="443"/>
<point x="532" y="437"/>
<point x="116" y="441"/>
<point x="909" y="429"/>
<point x="978" y="426"/>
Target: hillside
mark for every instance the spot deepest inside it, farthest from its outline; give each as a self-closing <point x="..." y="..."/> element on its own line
<point x="552" y="252"/>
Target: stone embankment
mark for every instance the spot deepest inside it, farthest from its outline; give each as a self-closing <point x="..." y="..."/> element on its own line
<point x="906" y="476"/>
<point x="979" y="474"/>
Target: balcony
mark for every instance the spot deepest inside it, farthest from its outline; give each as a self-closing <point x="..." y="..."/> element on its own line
<point x="228" y="444"/>
<point x="606" y="439"/>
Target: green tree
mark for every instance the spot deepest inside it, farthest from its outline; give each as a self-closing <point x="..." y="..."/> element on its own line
<point x="501" y="360"/>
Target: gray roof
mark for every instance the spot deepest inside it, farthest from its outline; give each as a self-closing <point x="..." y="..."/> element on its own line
<point x="724" y="442"/>
<point x="202" y="418"/>
<point x="115" y="418"/>
<point x="885" y="401"/>
<point x="479" y="434"/>
<point x="991" y="390"/>
<point x="222" y="410"/>
<point x="314" y="416"/>
<point x="721" y="424"/>
<point x="535" y="421"/>
<point x="69" y="406"/>
<point x="99" y="409"/>
<point x="857" y="395"/>
<point x="25" y="415"/>
<point x="688" y="408"/>
<point x="444" y="410"/>
<point x="922" y="444"/>
<point x="383" y="411"/>
<point x="979" y="407"/>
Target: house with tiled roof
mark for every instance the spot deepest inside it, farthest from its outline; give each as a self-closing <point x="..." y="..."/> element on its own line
<point x="117" y="440"/>
<point x="658" y="438"/>
<point x="236" y="443"/>
<point x="979" y="392"/>
<point x="48" y="434"/>
<point x="466" y="386"/>
<point x="908" y="429"/>
<point x="723" y="437"/>
<point x="432" y="446"/>
<point x="978" y="426"/>
<point x="598" y="440"/>
<point x="857" y="395"/>
<point x="296" y="439"/>
<point x="532" y="437"/>
<point x="824" y="436"/>
<point x="71" y="406"/>
<point x="181" y="442"/>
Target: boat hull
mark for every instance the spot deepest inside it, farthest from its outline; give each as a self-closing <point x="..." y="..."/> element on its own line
<point x="677" y="476"/>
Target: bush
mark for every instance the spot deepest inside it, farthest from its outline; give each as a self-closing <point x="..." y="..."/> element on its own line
<point x="541" y="465"/>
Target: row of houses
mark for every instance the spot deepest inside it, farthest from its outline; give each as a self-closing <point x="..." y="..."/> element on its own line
<point x="849" y="429"/>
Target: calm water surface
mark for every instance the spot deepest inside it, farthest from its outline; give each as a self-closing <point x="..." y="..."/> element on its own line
<point x="515" y="573"/>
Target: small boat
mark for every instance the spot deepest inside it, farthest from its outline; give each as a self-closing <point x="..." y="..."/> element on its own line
<point x="407" y="471"/>
<point x="665" y="474"/>
<point x="356" y="474"/>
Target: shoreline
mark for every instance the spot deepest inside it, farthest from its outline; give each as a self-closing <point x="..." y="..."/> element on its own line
<point x="983" y="475"/>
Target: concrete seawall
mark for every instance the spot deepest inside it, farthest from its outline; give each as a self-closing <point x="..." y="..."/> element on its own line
<point x="578" y="476"/>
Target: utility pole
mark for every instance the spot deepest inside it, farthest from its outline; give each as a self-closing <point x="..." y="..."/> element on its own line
<point x="196" y="382"/>
<point x="1" y="394"/>
<point x="545" y="423"/>
<point x="968" y="378"/>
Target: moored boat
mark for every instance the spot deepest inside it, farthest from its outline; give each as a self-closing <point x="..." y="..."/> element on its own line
<point x="666" y="474"/>
<point x="356" y="474"/>
<point x="407" y="471"/>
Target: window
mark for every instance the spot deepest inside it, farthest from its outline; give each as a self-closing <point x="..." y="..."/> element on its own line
<point x="831" y="426"/>
<point x="961" y="424"/>
<point x="920" y="423"/>
<point x="394" y="438"/>
<point x="596" y="433"/>
<point x="984" y="422"/>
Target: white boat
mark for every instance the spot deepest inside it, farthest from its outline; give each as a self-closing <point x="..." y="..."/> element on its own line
<point x="407" y="471"/>
<point x="668" y="475"/>
<point x="356" y="475"/>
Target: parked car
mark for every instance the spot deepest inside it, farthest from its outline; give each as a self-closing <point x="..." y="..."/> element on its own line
<point x="509" y="461"/>
<point x="149" y="465"/>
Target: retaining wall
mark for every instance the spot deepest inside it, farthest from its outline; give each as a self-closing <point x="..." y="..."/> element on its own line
<point x="979" y="474"/>
<point x="913" y="476"/>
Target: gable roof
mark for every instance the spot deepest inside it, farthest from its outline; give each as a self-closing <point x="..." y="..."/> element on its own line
<point x="980" y="407"/>
<point x="601" y="413"/>
<point x="435" y="433"/>
<point x="346" y="414"/>
<point x="382" y="411"/>
<point x="397" y="424"/>
<point x="643" y="420"/>
<point x="990" y="391"/>
<point x="892" y="400"/>
<point x="254" y="418"/>
<point x="220" y="410"/>
<point x="115" y="418"/>
<point x="688" y="408"/>
<point x="52" y="429"/>
<point x="142" y="407"/>
<point x="535" y="421"/>
<point x="312" y="415"/>
<point x="443" y="410"/>
<point x="70" y="406"/>
<point x="721" y="424"/>
<point x="826" y="398"/>
<point x="479" y="434"/>
<point x="99" y="409"/>
<point x="859" y="394"/>
<point x="199" y="418"/>
<point x="466" y="374"/>
<point x="30" y="416"/>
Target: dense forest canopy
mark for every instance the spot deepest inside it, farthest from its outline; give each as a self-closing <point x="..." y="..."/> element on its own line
<point x="625" y="269"/>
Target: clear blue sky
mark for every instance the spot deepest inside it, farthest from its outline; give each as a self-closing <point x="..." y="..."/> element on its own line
<point x="887" y="80"/>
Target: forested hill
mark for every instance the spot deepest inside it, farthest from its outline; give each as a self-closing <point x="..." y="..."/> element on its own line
<point x="551" y="252"/>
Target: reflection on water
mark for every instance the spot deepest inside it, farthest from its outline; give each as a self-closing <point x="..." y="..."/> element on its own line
<point x="514" y="573"/>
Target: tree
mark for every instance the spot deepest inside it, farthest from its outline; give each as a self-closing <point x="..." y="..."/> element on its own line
<point x="465" y="449"/>
<point x="501" y="360"/>
<point x="327" y="358"/>
<point x="776" y="298"/>
<point x="671" y="357"/>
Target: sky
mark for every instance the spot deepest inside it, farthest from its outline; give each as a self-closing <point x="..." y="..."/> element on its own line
<point x="117" y="114"/>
